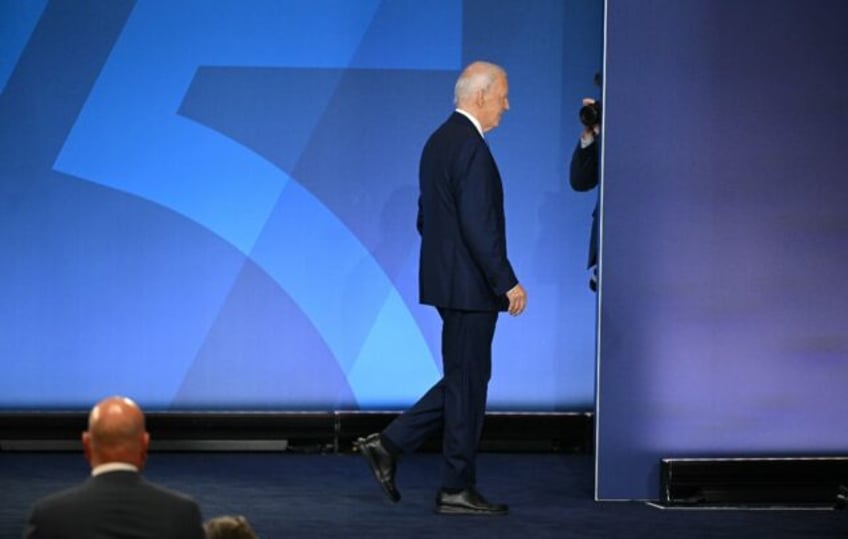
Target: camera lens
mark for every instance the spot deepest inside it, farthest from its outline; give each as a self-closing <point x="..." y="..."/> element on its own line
<point x="590" y="115"/>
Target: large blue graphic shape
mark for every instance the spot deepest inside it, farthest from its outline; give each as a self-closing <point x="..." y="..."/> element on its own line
<point x="129" y="131"/>
<point x="364" y="112"/>
<point x="104" y="292"/>
<point x="349" y="136"/>
<point x="111" y="295"/>
<point x="530" y="151"/>
<point x="352" y="304"/>
<point x="251" y="198"/>
<point x="378" y="203"/>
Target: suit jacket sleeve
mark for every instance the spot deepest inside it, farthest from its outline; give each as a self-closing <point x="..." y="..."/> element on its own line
<point x="583" y="173"/>
<point x="479" y="196"/>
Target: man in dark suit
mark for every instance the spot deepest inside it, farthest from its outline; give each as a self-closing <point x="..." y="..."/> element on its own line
<point x="466" y="275"/>
<point x="116" y="501"/>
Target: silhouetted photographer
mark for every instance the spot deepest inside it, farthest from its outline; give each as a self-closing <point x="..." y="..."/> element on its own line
<point x="584" y="171"/>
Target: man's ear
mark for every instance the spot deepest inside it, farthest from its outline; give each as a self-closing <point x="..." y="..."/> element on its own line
<point x="142" y="454"/>
<point x="86" y="445"/>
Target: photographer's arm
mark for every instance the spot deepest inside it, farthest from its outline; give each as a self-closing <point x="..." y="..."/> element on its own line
<point x="583" y="172"/>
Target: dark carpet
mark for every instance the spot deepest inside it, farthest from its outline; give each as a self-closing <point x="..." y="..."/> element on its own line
<point x="290" y="495"/>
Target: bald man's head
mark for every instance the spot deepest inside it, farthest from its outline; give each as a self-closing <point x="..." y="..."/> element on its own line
<point x="116" y="433"/>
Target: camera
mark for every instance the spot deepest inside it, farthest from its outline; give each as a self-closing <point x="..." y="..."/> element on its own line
<point x="590" y="115"/>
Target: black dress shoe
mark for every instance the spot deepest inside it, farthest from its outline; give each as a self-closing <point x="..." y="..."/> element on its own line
<point x="382" y="463"/>
<point x="467" y="502"/>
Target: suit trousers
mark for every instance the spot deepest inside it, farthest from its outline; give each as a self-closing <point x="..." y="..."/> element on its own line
<point x="456" y="404"/>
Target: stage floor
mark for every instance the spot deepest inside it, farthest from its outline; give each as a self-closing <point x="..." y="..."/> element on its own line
<point x="302" y="495"/>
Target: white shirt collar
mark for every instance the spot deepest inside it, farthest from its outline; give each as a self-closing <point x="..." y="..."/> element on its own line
<point x="113" y="467"/>
<point x="473" y="120"/>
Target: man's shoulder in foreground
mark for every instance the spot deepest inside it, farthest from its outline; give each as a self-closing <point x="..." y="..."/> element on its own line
<point x="98" y="496"/>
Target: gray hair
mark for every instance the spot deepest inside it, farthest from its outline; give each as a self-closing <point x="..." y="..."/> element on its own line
<point x="475" y="77"/>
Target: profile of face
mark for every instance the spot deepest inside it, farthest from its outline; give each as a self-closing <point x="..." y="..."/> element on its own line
<point x="493" y="101"/>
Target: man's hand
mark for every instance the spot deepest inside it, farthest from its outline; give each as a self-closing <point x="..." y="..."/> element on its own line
<point x="517" y="300"/>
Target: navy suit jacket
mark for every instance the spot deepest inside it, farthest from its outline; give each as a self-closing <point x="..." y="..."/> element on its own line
<point x="115" y="504"/>
<point x="463" y="262"/>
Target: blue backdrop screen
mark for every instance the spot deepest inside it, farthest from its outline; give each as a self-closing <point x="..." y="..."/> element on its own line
<point x="211" y="204"/>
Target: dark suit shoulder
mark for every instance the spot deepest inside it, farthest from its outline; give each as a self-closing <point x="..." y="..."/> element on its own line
<point x="455" y="144"/>
<point x="116" y="503"/>
<point x="467" y="126"/>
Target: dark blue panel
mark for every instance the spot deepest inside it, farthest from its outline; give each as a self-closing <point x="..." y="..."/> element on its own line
<point x="725" y="235"/>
